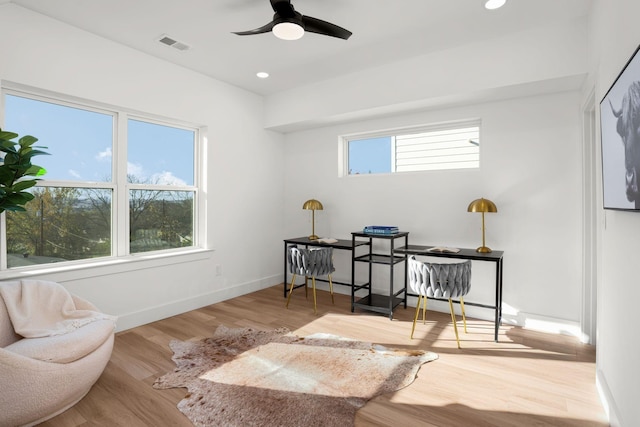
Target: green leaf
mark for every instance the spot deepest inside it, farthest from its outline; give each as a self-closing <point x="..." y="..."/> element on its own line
<point x="8" y="147"/>
<point x="27" y="140"/>
<point x="19" y="198"/>
<point x="26" y="196"/>
<point x="29" y="153"/>
<point x="11" y="159"/>
<point x="23" y="185"/>
<point x="13" y="208"/>
<point x="6" y="175"/>
<point x="35" y="170"/>
<point x="7" y="135"/>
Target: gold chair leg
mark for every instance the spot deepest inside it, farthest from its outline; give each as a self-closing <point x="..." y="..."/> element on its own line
<point x="293" y="281"/>
<point x="424" y="310"/>
<point x="331" y="289"/>
<point x="464" y="318"/>
<point x="415" y="318"/>
<point x="455" y="326"/>
<point x="313" y="283"/>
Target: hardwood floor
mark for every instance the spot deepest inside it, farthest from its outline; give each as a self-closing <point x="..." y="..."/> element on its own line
<point x="528" y="378"/>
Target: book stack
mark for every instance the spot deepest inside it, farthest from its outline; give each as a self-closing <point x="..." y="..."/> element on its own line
<point x="380" y="229"/>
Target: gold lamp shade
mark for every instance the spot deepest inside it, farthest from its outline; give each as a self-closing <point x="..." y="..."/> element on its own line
<point x="313" y="205"/>
<point x="482" y="205"/>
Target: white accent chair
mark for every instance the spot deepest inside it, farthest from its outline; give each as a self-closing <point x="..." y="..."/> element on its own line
<point x="42" y="377"/>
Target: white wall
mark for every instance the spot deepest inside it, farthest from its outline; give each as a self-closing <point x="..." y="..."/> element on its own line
<point x="614" y="35"/>
<point x="530" y="167"/>
<point x="525" y="87"/>
<point x="536" y="60"/>
<point x="244" y="185"/>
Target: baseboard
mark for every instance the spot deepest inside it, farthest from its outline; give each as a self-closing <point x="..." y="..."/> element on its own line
<point x="526" y="320"/>
<point x="542" y="323"/>
<point x="608" y="403"/>
<point x="159" y="312"/>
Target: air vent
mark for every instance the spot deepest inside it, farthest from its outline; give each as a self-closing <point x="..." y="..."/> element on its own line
<point x="169" y="41"/>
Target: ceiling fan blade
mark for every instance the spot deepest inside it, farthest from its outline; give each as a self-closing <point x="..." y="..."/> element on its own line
<point x="284" y="8"/>
<point x="264" y="29"/>
<point x="314" y="25"/>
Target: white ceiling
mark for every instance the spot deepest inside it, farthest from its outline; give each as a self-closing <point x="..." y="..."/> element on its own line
<point x="383" y="31"/>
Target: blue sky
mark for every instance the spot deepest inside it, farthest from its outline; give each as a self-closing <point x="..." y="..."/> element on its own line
<point x="80" y="144"/>
<point x="371" y="155"/>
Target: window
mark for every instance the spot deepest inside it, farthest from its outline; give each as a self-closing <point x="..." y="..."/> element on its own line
<point x="436" y="147"/>
<point x="160" y="161"/>
<point x="117" y="183"/>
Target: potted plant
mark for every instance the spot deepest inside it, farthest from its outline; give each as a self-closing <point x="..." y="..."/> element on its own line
<point x="16" y="169"/>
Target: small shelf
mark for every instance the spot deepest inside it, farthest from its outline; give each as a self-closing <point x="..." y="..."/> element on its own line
<point x="380" y="259"/>
<point x="378" y="303"/>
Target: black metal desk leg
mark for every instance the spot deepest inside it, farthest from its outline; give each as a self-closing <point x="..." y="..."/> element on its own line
<point x="284" y="280"/>
<point x="353" y="272"/>
<point x="498" y="299"/>
<point x="500" y="306"/>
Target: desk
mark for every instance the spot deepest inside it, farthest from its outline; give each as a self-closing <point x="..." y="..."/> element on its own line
<point x="347" y="245"/>
<point x="495" y="257"/>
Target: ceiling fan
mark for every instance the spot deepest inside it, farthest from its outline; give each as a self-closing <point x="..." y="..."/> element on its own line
<point x="287" y="24"/>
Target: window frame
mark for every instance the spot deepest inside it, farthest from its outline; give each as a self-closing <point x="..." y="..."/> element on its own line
<point x="393" y="133"/>
<point x="120" y="188"/>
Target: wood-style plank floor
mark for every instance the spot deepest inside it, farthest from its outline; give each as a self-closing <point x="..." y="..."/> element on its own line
<point x="528" y="378"/>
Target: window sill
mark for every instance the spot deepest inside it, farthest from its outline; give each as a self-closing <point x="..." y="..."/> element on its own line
<point x="108" y="266"/>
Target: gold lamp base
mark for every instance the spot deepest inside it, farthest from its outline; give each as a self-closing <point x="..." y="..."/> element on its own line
<point x="483" y="250"/>
<point x="313" y="237"/>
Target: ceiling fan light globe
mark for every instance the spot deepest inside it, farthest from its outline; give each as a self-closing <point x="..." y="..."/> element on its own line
<point x="288" y="31"/>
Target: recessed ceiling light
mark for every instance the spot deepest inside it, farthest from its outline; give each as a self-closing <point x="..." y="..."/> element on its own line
<point x="262" y="75"/>
<point x="494" y="4"/>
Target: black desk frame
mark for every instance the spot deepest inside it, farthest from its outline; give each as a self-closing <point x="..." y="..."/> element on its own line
<point x="341" y="244"/>
<point x="494" y="256"/>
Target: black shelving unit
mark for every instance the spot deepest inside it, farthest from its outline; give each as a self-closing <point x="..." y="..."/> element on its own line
<point x="379" y="303"/>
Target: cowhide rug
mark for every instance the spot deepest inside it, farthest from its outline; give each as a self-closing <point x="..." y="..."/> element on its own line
<point x="246" y="377"/>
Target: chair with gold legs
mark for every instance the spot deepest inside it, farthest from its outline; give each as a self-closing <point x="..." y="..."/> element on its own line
<point x="433" y="280"/>
<point x="310" y="263"/>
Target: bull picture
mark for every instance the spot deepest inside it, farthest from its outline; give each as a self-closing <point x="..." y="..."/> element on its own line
<point x="628" y="127"/>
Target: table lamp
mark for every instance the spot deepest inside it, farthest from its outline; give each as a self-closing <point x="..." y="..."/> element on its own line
<point x="313" y="205"/>
<point x="482" y="205"/>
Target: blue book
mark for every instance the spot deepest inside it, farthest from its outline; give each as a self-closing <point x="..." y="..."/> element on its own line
<point x="384" y="230"/>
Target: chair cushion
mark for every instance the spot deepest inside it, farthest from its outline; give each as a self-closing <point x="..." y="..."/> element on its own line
<point x="7" y="334"/>
<point x="65" y="348"/>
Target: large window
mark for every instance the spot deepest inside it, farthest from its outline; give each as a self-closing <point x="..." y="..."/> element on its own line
<point x="117" y="183"/>
<point x="447" y="146"/>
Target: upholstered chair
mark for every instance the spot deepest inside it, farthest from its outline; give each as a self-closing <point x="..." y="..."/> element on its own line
<point x="47" y="367"/>
<point x="310" y="263"/>
<point x="442" y="281"/>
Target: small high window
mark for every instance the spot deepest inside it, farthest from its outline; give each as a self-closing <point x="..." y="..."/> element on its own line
<point x="436" y="147"/>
